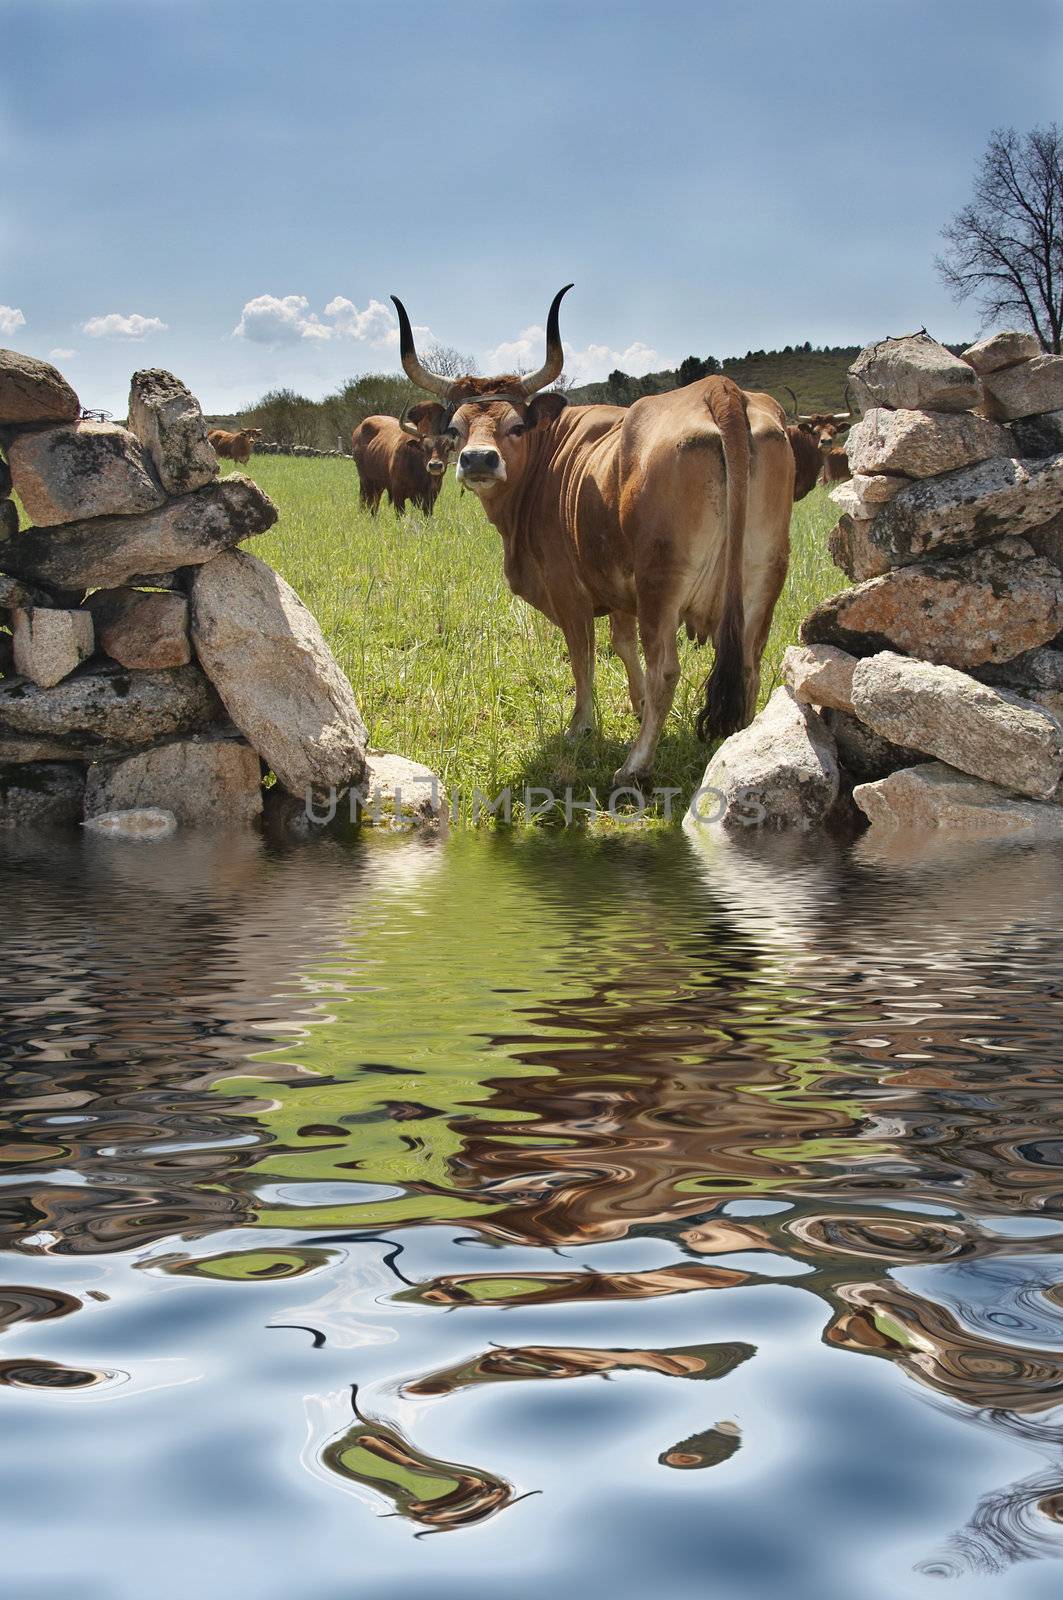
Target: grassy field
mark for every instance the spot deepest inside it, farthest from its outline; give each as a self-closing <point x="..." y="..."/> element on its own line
<point x="450" y="668"/>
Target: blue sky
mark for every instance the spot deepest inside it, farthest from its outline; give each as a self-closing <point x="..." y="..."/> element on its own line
<point x="233" y="189"/>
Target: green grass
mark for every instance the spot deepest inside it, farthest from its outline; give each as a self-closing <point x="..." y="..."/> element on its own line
<point x="450" y="668"/>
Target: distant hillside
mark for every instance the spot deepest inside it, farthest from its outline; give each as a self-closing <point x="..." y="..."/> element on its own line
<point x="817" y="377"/>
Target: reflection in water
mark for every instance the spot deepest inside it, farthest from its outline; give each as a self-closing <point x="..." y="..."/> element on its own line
<point x="553" y="1287"/>
<point x="509" y="1365"/>
<point x="706" y="1449"/>
<point x="444" y="1121"/>
<point x="436" y="1494"/>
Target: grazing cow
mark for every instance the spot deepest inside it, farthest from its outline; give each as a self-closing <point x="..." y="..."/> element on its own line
<point x="237" y="446"/>
<point x="406" y="458"/>
<point x="673" y="511"/>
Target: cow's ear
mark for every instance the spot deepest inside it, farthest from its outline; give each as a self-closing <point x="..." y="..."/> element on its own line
<point x="545" y="408"/>
<point x="427" y="416"/>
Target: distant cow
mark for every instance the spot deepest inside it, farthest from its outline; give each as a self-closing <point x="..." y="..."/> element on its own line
<point x="817" y="432"/>
<point x="237" y="446"/>
<point x="836" y="468"/>
<point x="404" y="458"/>
<point x="808" y="459"/>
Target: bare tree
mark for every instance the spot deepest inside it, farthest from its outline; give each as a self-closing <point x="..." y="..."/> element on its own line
<point x="1005" y="248"/>
<point x="447" y="362"/>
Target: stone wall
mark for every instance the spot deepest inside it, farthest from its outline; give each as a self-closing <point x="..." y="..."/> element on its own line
<point x="153" y="673"/>
<point x="930" y="692"/>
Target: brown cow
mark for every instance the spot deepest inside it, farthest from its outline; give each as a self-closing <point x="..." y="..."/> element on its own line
<point x="820" y="430"/>
<point x="673" y="511"/>
<point x="808" y="459"/>
<point x="836" y="468"/>
<point x="406" y="458"/>
<point x="237" y="446"/>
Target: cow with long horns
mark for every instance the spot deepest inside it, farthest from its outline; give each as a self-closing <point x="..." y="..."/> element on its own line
<point x="404" y="458"/>
<point x="674" y="511"/>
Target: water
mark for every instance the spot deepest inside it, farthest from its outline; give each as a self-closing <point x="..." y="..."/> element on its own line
<point x="528" y="1215"/>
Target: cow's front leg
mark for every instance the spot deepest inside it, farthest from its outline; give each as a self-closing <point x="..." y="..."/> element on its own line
<point x="662" y="675"/>
<point x="579" y="636"/>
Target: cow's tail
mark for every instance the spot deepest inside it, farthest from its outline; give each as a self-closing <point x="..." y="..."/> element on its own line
<point x="724" y="708"/>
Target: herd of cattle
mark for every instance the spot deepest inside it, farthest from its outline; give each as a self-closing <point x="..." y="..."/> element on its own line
<point x="407" y="458"/>
<point x="673" y="512"/>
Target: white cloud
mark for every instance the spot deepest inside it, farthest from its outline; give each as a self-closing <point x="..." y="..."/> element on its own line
<point x="272" y="320"/>
<point x="116" y="326"/>
<point x="10" y="319"/>
<point x="268" y="319"/>
<point x="60" y="353"/>
<point x="528" y="350"/>
<point x="375" y="325"/>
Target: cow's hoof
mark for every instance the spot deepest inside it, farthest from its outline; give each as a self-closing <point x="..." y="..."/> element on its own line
<point x="578" y="731"/>
<point x="626" y="778"/>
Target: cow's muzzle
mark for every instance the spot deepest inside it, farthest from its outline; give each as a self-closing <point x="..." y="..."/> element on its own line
<point x="480" y="466"/>
<point x="437" y="467"/>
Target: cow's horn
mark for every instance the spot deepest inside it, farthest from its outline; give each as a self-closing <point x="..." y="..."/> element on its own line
<point x="410" y="364"/>
<point x="849" y="399"/>
<point x="405" y="425"/>
<point x="793" y="397"/>
<point x="555" y="356"/>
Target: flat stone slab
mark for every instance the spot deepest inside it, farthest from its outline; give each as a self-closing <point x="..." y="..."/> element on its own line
<point x="81" y="470"/>
<point x="987" y="605"/>
<point x="108" y="551"/>
<point x="921" y="444"/>
<point x="1001" y="350"/>
<point x="34" y="391"/>
<point x="214" y="783"/>
<point x="49" y="644"/>
<point x="913" y="373"/>
<point x="819" y="675"/>
<point x="142" y="630"/>
<point x="851" y="502"/>
<point x="1025" y="390"/>
<point x="143" y="823"/>
<point x="986" y="732"/>
<point x="968" y="507"/>
<point x="16" y="749"/>
<point x="877" y="487"/>
<point x="109" y="705"/>
<point x="781" y="772"/>
<point x="398" y="791"/>
<point x="937" y="796"/>
<point x="166" y="418"/>
<point x="280" y="682"/>
<point x="41" y="795"/>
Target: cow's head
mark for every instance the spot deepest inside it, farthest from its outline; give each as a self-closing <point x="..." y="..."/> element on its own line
<point x="822" y="427"/>
<point x="426" y="424"/>
<point x="491" y="419"/>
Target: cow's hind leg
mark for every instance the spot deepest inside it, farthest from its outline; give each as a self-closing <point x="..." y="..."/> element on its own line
<point x="658" y="631"/>
<point x="623" y="634"/>
<point x="579" y="636"/>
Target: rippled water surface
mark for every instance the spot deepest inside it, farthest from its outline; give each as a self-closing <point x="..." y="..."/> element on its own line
<point x="529" y="1215"/>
